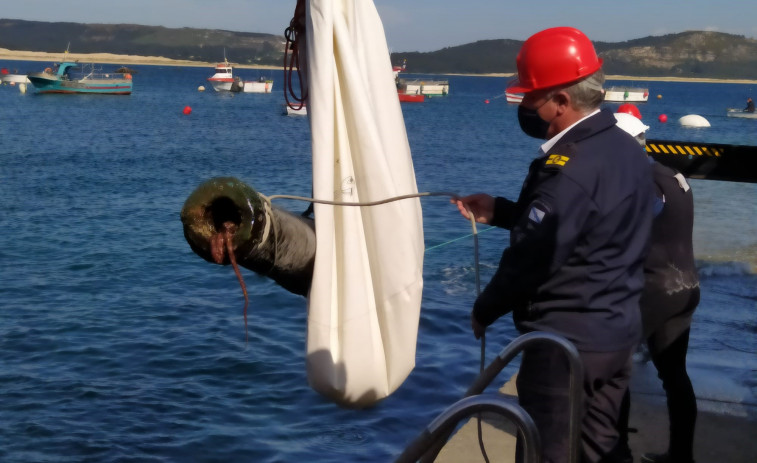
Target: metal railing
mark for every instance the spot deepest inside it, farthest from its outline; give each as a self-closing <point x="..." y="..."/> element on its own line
<point x="430" y="442"/>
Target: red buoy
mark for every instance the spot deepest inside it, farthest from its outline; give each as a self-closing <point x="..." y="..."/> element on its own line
<point x="486" y="101"/>
<point x="187" y="110"/>
<point x="663" y="118"/>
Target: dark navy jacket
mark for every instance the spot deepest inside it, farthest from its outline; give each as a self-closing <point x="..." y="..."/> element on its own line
<point x="579" y="236"/>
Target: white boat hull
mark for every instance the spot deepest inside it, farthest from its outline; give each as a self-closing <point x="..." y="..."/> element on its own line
<point x="626" y="94"/>
<point x="258" y="87"/>
<point x="221" y="86"/>
<point x="430" y="88"/>
<point x="15" y="79"/>
<point x="741" y="113"/>
<point x="289" y="111"/>
<point x="514" y="97"/>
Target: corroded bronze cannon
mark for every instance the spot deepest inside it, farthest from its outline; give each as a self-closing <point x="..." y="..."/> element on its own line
<point x="227" y="221"/>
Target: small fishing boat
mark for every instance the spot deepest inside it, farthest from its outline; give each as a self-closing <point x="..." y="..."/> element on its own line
<point x="626" y="94"/>
<point x="423" y="87"/>
<point x="301" y="111"/>
<point x="62" y="79"/>
<point x="411" y="97"/>
<point x="224" y="81"/>
<point x="262" y="85"/>
<point x="399" y="68"/>
<point x="734" y="112"/>
<point x="514" y="97"/>
<point x="12" y="78"/>
<point x="223" y="77"/>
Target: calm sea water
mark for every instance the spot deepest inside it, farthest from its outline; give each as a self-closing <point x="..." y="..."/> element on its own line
<point x="118" y="344"/>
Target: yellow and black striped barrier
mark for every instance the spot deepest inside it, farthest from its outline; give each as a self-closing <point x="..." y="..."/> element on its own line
<point x="712" y="161"/>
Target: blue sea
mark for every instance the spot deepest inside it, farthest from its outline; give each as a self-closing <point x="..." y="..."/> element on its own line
<point x="119" y="344"/>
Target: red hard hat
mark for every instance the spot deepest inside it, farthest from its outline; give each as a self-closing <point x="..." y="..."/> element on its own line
<point x="629" y="108"/>
<point x="552" y="57"/>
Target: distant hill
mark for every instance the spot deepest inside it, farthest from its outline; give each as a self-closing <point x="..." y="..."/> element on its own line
<point x="130" y="39"/>
<point x="688" y="54"/>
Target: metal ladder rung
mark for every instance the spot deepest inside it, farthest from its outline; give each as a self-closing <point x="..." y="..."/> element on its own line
<point x="476" y="402"/>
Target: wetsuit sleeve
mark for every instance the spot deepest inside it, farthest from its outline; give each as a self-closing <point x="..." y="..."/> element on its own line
<point x="504" y="213"/>
<point x="543" y="237"/>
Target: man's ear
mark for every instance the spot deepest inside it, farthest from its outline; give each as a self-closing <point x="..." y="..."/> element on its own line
<point x="563" y="101"/>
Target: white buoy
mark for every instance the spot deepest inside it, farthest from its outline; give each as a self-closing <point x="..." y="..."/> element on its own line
<point x="201" y="88"/>
<point x="693" y="120"/>
<point x="22" y="87"/>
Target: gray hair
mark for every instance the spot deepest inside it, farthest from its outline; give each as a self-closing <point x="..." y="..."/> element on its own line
<point x="587" y="94"/>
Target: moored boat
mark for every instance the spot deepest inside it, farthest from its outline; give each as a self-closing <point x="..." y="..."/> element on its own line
<point x="623" y="94"/>
<point x="411" y="97"/>
<point x="513" y="97"/>
<point x="423" y="87"/>
<point x="223" y="77"/>
<point x="224" y="81"/>
<point x="262" y="85"/>
<point x="62" y="79"/>
<point x="296" y="111"/>
<point x="13" y="78"/>
<point x="399" y="68"/>
<point x="734" y="112"/>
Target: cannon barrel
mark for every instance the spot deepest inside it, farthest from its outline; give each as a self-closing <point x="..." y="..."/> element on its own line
<point x="267" y="240"/>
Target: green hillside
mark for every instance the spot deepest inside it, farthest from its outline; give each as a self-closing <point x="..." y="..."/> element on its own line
<point x="687" y="54"/>
<point x="131" y="39"/>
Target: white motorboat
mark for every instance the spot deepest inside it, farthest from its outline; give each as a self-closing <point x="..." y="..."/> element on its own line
<point x="301" y="111"/>
<point x="514" y="97"/>
<point x="224" y="81"/>
<point x="223" y="77"/>
<point x="734" y="112"/>
<point x="14" y="79"/>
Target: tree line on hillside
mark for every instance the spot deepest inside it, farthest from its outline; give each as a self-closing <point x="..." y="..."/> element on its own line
<point x="130" y="39"/>
<point x="686" y="54"/>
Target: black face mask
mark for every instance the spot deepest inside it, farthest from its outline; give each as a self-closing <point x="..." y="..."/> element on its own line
<point x="531" y="123"/>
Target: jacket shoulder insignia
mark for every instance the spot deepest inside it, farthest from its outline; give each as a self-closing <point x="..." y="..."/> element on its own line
<point x="556" y="160"/>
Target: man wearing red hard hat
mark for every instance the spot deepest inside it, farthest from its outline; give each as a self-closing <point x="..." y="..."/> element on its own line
<point x="579" y="233"/>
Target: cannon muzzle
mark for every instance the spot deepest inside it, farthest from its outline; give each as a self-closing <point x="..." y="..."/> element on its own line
<point x="267" y="240"/>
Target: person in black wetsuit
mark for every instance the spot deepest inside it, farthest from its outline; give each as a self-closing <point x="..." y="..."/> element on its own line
<point x="579" y="233"/>
<point x="671" y="293"/>
<point x="749" y="105"/>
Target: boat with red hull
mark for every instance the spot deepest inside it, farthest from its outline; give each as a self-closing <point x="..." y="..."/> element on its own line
<point x="411" y="97"/>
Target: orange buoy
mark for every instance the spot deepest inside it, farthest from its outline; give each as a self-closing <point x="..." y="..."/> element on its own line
<point x="187" y="110"/>
<point x="663" y="118"/>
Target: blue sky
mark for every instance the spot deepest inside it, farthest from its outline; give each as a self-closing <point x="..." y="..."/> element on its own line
<point x="420" y="25"/>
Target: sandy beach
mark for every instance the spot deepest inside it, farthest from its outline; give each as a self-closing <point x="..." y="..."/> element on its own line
<point x="109" y="58"/>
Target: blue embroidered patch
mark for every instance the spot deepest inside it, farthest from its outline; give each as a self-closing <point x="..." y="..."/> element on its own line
<point x="536" y="215"/>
